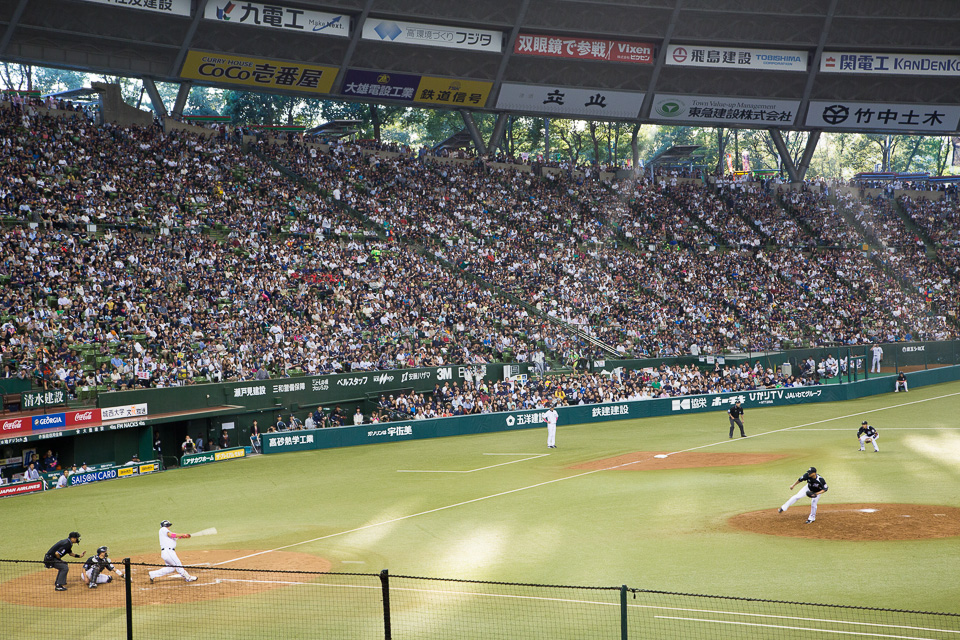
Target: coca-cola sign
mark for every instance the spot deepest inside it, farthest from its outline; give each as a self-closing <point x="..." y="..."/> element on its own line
<point x="8" y="427"/>
<point x="83" y="417"/>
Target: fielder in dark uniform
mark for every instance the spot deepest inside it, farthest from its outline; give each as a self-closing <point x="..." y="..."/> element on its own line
<point x="734" y="413"/>
<point x="816" y="485"/>
<point x="868" y="434"/>
<point x="54" y="558"/>
<point x="97" y="564"/>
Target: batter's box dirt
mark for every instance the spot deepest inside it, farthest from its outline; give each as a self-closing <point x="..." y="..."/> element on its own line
<point x="648" y="460"/>
<point x="213" y="582"/>
<point x="859" y="522"/>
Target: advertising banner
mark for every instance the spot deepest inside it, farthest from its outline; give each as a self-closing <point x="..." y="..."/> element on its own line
<point x="720" y="110"/>
<point x="172" y="7"/>
<point x="909" y="64"/>
<point x="193" y="459"/>
<point x="258" y="72"/>
<point x="122" y="412"/>
<point x="36" y="399"/>
<point x="881" y="116"/>
<point x="110" y="473"/>
<point x="381" y="84"/>
<point x="433" y="35"/>
<point x="583" y="48"/>
<point x="569" y="101"/>
<point x="685" y="55"/>
<point x="49" y="421"/>
<point x="453" y="92"/>
<point x="274" y="16"/>
<point x="81" y="418"/>
<point x="15" y="425"/>
<point x="20" y="488"/>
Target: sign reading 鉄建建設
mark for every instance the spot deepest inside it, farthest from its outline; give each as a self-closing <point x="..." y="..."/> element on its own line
<point x="258" y="72"/>
<point x="193" y="459"/>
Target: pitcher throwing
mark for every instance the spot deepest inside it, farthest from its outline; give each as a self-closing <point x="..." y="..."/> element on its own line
<point x="816" y="485"/>
<point x="168" y="546"/>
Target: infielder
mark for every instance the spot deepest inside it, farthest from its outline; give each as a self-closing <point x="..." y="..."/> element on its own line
<point x="551" y="416"/>
<point x="868" y="434"/>
<point x="877" y="352"/>
<point x="816" y="485"/>
<point x="168" y="546"/>
<point x="95" y="565"/>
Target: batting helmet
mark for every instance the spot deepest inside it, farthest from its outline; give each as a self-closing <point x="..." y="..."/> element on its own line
<point x="101" y="550"/>
<point x="812" y="470"/>
<point x="166" y="523"/>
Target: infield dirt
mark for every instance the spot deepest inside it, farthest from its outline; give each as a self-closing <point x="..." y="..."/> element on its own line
<point x="647" y="460"/>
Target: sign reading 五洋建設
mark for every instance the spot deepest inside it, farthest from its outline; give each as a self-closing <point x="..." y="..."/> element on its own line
<point x="193" y="459"/>
<point x="258" y="72"/>
<point x="37" y="399"/>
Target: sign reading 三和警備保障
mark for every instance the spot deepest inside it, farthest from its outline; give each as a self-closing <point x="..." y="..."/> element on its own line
<point x="572" y="101"/>
<point x="723" y="110"/>
<point x="881" y="116"/>
<point x="272" y="16"/>
<point x="258" y="72"/>
<point x="911" y="64"/>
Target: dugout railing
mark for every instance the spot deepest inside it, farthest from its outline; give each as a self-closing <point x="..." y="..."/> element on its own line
<point x="267" y="602"/>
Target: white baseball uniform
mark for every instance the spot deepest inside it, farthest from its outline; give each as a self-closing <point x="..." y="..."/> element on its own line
<point x="168" y="552"/>
<point x="551" y="416"/>
<point x="877" y="356"/>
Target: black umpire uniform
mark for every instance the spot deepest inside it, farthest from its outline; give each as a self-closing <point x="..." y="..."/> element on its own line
<point x="735" y="412"/>
<point x="54" y="558"/>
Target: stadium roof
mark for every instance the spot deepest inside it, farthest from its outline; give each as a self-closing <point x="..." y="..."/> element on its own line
<point x="670" y="60"/>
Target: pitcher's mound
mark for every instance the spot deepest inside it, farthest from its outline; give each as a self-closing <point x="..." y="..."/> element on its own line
<point x="860" y="522"/>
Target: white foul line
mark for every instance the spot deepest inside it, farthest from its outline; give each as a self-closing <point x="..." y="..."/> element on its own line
<point x="555" y="480"/>
<point x="534" y="456"/>
<point x="777" y="626"/>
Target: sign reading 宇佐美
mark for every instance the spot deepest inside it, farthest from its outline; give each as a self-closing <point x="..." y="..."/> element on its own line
<point x="172" y="7"/>
<point x="911" y="64"/>
<point x="37" y="399"/>
<point x="258" y="72"/>
<point x="575" y="48"/>
<point x="722" y="110"/>
<point x="877" y="116"/>
<point x="274" y="16"/>
<point x="684" y="55"/>
<point x="193" y="459"/>
<point x="571" y="101"/>
<point x="433" y="35"/>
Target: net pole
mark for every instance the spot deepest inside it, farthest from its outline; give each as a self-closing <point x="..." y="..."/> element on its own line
<point x="128" y="596"/>
<point x="385" y="588"/>
<point x="623" y="612"/>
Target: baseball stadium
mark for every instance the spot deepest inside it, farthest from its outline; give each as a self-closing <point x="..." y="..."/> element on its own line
<point x="504" y="320"/>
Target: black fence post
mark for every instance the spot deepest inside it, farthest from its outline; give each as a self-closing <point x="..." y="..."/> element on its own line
<point x="127" y="581"/>
<point x="623" y="612"/>
<point x="385" y="588"/>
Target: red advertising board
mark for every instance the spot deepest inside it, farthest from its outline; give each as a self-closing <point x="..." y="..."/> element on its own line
<point x="13" y="426"/>
<point x="83" y="417"/>
<point x="529" y="44"/>
<point x="20" y="488"/>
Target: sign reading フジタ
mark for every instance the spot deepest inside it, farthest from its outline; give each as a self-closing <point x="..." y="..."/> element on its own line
<point x="277" y="17"/>
<point x="569" y="101"/>
<point x="879" y="116"/>
<point x="722" y="110"/>
<point x="683" y="55"/>
<point x="258" y="72"/>
<point x="433" y="35"/>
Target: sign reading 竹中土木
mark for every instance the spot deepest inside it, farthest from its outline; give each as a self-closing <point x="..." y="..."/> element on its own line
<point x="881" y="116"/>
<point x="684" y="55"/>
<point x="257" y="72"/>
<point x="575" y="48"/>
<point x="722" y="110"/>
<point x="173" y="7"/>
<point x="433" y="35"/>
<point x="36" y="399"/>
<point x="599" y="103"/>
<point x="912" y="64"/>
<point x="278" y="17"/>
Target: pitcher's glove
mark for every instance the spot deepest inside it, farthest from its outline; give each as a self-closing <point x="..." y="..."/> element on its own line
<point x="810" y="494"/>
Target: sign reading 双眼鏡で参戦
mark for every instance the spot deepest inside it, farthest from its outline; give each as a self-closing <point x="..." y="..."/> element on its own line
<point x="880" y="116"/>
<point x="433" y="35"/>
<point x="685" y="55"/>
<point x="274" y="16"/>
<point x="909" y="64"/>
<point x="577" y="48"/>
<point x="722" y="110"/>
<point x="37" y="399"/>
<point x="571" y="101"/>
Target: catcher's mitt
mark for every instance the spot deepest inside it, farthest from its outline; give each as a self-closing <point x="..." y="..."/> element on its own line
<point x="810" y="494"/>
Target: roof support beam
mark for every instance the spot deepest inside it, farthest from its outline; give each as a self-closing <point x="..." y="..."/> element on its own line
<point x="354" y="39"/>
<point x="508" y="50"/>
<point x="474" y="132"/>
<point x="158" y="107"/>
<point x="785" y="160"/>
<point x="188" y="38"/>
<point x="661" y="58"/>
<point x="815" y="64"/>
<point x="497" y="134"/>
<point x="14" y="21"/>
<point x="808" y="153"/>
<point x="182" y="94"/>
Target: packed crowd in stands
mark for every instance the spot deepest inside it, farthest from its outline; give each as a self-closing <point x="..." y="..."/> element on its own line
<point x="240" y="271"/>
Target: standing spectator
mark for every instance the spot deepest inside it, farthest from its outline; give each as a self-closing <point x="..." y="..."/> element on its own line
<point x="224" y="440"/>
<point x="50" y="462"/>
<point x="54" y="558"/>
<point x="255" y="437"/>
<point x="188" y="446"/>
<point x="198" y="443"/>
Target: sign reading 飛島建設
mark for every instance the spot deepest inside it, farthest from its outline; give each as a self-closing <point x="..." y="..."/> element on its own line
<point x="37" y="399"/>
<point x="685" y="55"/>
<point x="193" y="459"/>
<point x="258" y="72"/>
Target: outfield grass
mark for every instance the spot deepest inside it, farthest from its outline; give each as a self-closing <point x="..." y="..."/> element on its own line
<point x="540" y="521"/>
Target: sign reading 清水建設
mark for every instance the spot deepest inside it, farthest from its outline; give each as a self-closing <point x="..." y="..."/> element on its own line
<point x="912" y="64"/>
<point x="570" y="101"/>
<point x="723" y="110"/>
<point x="37" y="399"/>
<point x="881" y="116"/>
<point x="193" y="459"/>
<point x="258" y="72"/>
<point x="685" y="55"/>
<point x="274" y="16"/>
<point x="432" y="35"/>
<point x="575" y="48"/>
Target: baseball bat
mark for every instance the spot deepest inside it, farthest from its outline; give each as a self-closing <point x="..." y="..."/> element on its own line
<point x="212" y="531"/>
